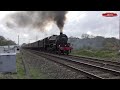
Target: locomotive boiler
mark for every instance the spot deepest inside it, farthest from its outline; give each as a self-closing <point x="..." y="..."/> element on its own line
<point x="53" y="44"/>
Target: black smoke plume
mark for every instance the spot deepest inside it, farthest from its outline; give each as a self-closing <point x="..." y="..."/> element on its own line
<point x="37" y="19"/>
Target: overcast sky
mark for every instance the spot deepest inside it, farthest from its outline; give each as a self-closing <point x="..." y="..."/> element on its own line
<point x="77" y="23"/>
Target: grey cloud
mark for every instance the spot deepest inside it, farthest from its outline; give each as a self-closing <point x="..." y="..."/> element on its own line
<point x="93" y="21"/>
<point x="96" y="23"/>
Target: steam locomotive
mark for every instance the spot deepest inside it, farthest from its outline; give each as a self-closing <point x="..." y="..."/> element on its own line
<point x="54" y="44"/>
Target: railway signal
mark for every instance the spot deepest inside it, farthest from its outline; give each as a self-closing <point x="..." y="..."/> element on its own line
<point x="111" y="14"/>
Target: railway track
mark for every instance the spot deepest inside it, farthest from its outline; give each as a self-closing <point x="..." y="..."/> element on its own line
<point x="90" y="68"/>
<point x="98" y="62"/>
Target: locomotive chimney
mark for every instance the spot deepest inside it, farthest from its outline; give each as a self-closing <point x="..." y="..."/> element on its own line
<point x="61" y="33"/>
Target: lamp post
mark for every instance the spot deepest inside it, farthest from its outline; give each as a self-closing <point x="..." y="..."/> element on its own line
<point x="111" y="14"/>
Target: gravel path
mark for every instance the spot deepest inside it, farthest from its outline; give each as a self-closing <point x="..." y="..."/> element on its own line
<point x="49" y="69"/>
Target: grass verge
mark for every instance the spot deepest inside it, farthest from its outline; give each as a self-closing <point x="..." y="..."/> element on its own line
<point x="34" y="72"/>
<point x="102" y="54"/>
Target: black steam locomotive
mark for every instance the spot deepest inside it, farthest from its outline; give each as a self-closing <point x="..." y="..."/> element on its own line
<point x="53" y="44"/>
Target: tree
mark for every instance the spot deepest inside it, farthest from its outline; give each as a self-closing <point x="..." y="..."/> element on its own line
<point x="111" y="44"/>
<point x="91" y="36"/>
<point x="4" y="41"/>
<point x="85" y="36"/>
<point x="2" y="38"/>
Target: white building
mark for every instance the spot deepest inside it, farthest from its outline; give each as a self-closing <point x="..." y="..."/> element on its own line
<point x="10" y="49"/>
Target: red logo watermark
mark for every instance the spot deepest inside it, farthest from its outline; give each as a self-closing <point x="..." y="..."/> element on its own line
<point x="109" y="14"/>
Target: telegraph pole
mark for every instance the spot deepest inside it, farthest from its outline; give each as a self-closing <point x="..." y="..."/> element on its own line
<point x="18" y="40"/>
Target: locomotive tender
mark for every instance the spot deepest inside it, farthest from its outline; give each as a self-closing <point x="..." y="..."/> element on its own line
<point x="53" y="44"/>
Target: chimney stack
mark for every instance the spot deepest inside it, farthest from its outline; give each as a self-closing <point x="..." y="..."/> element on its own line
<point x="61" y="33"/>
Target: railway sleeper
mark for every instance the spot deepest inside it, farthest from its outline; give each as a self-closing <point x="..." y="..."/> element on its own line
<point x="106" y="75"/>
<point x="117" y="77"/>
<point x="96" y="72"/>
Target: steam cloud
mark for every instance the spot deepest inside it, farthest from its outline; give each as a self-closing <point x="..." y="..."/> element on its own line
<point x="37" y="19"/>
